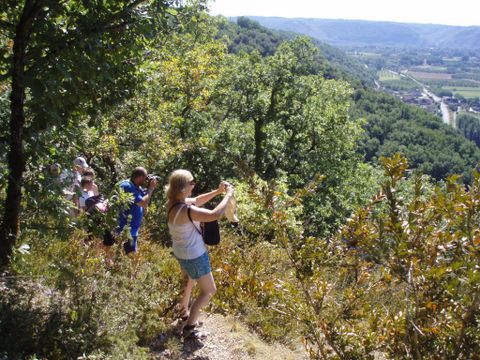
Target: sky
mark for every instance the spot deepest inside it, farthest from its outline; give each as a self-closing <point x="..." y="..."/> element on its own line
<point x="458" y="12"/>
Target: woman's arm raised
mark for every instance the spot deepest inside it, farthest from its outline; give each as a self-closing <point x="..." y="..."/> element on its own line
<point x="206" y="215"/>
<point x="202" y="199"/>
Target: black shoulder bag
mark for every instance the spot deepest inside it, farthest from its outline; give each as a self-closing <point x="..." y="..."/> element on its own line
<point x="209" y="230"/>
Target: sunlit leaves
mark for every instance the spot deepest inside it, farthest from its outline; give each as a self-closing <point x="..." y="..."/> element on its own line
<point x="428" y="259"/>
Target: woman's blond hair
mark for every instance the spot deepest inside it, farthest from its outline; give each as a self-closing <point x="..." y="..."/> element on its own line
<point x="177" y="183"/>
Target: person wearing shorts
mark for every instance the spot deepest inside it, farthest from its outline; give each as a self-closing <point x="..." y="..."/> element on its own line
<point x="184" y="217"/>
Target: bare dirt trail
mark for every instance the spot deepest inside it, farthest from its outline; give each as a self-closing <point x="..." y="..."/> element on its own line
<point x="226" y="339"/>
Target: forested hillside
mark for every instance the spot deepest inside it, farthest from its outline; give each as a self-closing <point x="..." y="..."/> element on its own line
<point x="339" y="248"/>
<point x="390" y="126"/>
<point x="248" y="35"/>
<point x="377" y="33"/>
<point x="431" y="146"/>
<point x="469" y="126"/>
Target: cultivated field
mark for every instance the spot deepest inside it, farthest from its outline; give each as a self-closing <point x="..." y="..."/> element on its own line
<point x="388" y="75"/>
<point x="469" y="114"/>
<point x="396" y="82"/>
<point x="422" y="75"/>
<point x="429" y="68"/>
<point x="466" y="92"/>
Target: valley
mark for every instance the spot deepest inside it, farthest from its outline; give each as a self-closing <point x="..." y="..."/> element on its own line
<point x="440" y="82"/>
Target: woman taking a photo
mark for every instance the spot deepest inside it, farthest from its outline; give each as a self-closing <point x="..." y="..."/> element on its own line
<point x="184" y="217"/>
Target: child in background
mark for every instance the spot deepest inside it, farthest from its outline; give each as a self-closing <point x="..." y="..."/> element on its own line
<point x="87" y="191"/>
<point x="91" y="174"/>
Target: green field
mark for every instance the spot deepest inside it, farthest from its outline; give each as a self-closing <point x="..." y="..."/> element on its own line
<point x="387" y="75"/>
<point x="469" y="114"/>
<point x="466" y="92"/>
<point x="395" y="81"/>
<point x="429" y="68"/>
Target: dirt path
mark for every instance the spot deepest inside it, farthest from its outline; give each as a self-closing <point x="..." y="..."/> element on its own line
<point x="226" y="339"/>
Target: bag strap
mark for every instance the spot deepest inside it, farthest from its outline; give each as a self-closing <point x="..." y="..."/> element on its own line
<point x="171" y="208"/>
<point x="190" y="218"/>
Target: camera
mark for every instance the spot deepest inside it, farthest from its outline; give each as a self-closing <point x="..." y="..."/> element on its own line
<point x="150" y="177"/>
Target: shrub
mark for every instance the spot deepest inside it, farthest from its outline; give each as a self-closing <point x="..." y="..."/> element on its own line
<point x="63" y="302"/>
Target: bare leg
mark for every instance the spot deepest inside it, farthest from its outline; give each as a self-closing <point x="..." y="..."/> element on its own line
<point x="207" y="290"/>
<point x="187" y="286"/>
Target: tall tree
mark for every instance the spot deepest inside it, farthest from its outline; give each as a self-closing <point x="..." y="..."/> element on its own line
<point x="67" y="58"/>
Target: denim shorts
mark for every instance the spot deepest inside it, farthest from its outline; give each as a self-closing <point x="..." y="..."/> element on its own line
<point x="196" y="268"/>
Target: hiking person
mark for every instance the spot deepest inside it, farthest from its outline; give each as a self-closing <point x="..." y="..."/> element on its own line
<point x="184" y="217"/>
<point x="88" y="172"/>
<point x="71" y="178"/>
<point x="138" y="204"/>
<point x="86" y="191"/>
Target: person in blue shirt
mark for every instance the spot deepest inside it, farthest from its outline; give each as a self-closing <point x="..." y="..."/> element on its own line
<point x="140" y="199"/>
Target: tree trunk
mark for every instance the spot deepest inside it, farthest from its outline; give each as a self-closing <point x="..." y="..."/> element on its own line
<point x="271" y="166"/>
<point x="259" y="139"/>
<point x="9" y="229"/>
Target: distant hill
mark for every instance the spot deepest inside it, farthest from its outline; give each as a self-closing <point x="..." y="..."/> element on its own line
<point x="248" y="35"/>
<point x="347" y="33"/>
<point x="432" y="147"/>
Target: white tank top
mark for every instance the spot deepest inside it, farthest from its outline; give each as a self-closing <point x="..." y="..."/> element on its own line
<point x="85" y="195"/>
<point x="187" y="242"/>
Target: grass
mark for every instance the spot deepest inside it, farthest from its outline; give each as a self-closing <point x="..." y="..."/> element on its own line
<point x="466" y="92"/>
<point x="63" y="302"/>
<point x="401" y="85"/>
<point x="249" y="343"/>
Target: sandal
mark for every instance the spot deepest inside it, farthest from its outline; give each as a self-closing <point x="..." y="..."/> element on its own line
<point x="192" y="332"/>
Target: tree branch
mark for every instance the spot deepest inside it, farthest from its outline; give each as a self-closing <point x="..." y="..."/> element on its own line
<point x="116" y="16"/>
<point x="6" y="25"/>
<point x="467" y="319"/>
<point x="107" y="25"/>
<point x="30" y="12"/>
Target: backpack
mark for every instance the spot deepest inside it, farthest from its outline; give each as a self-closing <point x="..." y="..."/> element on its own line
<point x="96" y="203"/>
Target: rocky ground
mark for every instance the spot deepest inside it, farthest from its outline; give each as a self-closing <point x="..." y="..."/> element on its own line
<point x="225" y="338"/>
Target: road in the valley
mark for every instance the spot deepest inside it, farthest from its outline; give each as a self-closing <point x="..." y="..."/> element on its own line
<point x="448" y="117"/>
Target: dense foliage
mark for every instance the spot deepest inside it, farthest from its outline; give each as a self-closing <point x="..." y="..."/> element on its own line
<point x="390" y="126"/>
<point x="247" y="35"/>
<point x="431" y="146"/>
<point x="469" y="126"/>
<point x="313" y="258"/>
<point x="400" y="280"/>
<point x="65" y="62"/>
